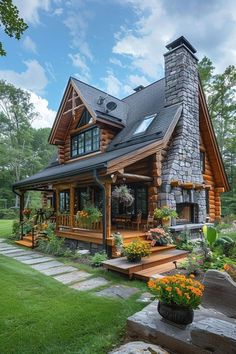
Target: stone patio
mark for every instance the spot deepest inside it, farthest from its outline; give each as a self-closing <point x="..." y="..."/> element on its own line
<point x="90" y="284"/>
<point x="118" y="291"/>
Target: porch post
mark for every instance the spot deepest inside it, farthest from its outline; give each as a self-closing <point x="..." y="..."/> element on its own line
<point x="108" y="209"/>
<point x="72" y="206"/>
<point x="22" y="204"/>
<point x="57" y="206"/>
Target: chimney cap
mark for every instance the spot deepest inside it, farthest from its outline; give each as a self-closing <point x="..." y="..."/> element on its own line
<point x="181" y="40"/>
<point x="139" y="88"/>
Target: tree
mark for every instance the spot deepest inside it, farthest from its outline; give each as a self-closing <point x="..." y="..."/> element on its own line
<point x="23" y="149"/>
<point x="221" y="97"/>
<point x="13" y="25"/>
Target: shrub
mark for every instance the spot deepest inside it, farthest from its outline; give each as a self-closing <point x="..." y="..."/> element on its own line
<point x="98" y="259"/>
<point x="8" y="214"/>
<point x="192" y="264"/>
<point x="52" y="245"/>
<point x="225" y="244"/>
<point x="178" y="289"/>
<point x="137" y="249"/>
<point x="16" y="230"/>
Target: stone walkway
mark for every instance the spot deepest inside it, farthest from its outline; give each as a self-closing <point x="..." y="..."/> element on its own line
<point x="73" y="277"/>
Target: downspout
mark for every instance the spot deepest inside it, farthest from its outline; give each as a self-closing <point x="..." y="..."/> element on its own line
<point x="104" y="217"/>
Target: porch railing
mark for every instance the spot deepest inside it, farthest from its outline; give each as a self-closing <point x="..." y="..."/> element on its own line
<point x="64" y="220"/>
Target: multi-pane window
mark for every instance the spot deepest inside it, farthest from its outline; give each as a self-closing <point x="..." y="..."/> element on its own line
<point x="85" y="142"/>
<point x="64" y="201"/>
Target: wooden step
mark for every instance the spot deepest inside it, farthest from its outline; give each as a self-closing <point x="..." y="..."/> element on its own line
<point x="121" y="264"/>
<point x="25" y="243"/>
<point x="157" y="271"/>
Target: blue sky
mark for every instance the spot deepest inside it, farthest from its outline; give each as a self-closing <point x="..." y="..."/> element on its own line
<point x="114" y="45"/>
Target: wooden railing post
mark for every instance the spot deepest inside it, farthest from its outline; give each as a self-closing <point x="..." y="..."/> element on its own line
<point x="108" y="209"/>
<point x="22" y="204"/>
<point x="57" y="207"/>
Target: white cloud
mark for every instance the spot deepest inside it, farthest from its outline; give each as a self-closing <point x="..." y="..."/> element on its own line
<point x="113" y="84"/>
<point x="79" y="62"/>
<point x="137" y="80"/>
<point x="58" y="11"/>
<point x="33" y="78"/>
<point x="210" y="26"/>
<point x="117" y="62"/>
<point x="29" y="9"/>
<point x="46" y="115"/>
<point x="77" y="21"/>
<point x="29" y="45"/>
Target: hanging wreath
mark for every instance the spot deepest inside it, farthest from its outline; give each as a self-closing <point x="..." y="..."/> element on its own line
<point x="123" y="195"/>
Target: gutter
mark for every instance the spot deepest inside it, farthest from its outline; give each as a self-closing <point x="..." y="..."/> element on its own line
<point x="102" y="187"/>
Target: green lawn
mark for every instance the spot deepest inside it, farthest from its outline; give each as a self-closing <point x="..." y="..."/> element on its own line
<point x="40" y="315"/>
<point x="5" y="228"/>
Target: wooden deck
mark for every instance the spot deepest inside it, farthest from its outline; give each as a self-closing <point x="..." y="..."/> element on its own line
<point x="162" y="256"/>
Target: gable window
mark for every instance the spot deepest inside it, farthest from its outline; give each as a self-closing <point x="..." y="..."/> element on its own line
<point x="202" y="161"/>
<point x="144" y="124"/>
<point x="85" y="118"/>
<point x="85" y="142"/>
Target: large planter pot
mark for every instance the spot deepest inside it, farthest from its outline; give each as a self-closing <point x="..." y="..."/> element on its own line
<point x="175" y="313"/>
<point x="134" y="259"/>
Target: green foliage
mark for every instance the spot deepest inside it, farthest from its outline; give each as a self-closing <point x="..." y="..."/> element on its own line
<point x="192" y="264"/>
<point x="123" y="195"/>
<point x="210" y="234"/>
<point x="13" y="25"/>
<point x="182" y="242"/>
<point x="8" y="214"/>
<point x="225" y="244"/>
<point x="137" y="249"/>
<point x="98" y="259"/>
<point x="23" y="149"/>
<point x="165" y="212"/>
<point x="52" y="245"/>
<point x="16" y="230"/>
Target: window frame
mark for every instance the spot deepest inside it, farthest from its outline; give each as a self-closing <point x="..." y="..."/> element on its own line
<point x="202" y="161"/>
<point x="95" y="142"/>
<point x="64" y="203"/>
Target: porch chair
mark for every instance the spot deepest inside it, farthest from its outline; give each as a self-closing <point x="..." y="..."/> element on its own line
<point x="150" y="222"/>
<point x="138" y="220"/>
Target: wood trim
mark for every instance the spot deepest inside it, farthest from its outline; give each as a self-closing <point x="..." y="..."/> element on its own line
<point x="108" y="209"/>
<point x="212" y="140"/>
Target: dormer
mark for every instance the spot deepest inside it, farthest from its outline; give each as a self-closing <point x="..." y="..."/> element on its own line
<point x="87" y="121"/>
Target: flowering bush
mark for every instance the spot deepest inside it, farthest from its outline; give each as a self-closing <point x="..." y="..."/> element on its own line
<point x="231" y="270"/>
<point x="159" y="237"/>
<point x="165" y="213"/>
<point x="178" y="290"/>
<point x="88" y="216"/>
<point x="135" y="250"/>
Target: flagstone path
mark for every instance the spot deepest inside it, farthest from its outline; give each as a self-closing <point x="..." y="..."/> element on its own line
<point x="73" y="277"/>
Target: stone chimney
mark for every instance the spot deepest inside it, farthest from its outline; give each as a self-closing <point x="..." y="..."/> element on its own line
<point x="182" y="162"/>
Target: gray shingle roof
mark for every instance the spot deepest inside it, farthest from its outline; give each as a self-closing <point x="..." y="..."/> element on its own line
<point x="131" y="111"/>
<point x="91" y="96"/>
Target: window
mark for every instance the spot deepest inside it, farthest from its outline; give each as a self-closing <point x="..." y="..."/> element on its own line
<point x="144" y="124"/>
<point x="202" y="161"/>
<point x="140" y="204"/>
<point x="85" y="142"/>
<point x="64" y="202"/>
<point x="85" y="118"/>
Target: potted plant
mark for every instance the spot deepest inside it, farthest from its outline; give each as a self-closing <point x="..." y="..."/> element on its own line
<point x="123" y="195"/>
<point x="27" y="212"/>
<point x="137" y="249"/>
<point x="118" y="240"/>
<point x="88" y="216"/>
<point x="159" y="237"/>
<point x="165" y="214"/>
<point x="178" y="296"/>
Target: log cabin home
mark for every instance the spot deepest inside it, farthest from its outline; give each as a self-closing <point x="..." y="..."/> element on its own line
<point x="159" y="141"/>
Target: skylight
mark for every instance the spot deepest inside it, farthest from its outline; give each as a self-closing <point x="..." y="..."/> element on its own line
<point x="144" y="124"/>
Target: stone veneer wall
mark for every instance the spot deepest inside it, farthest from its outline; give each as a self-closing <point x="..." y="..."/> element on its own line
<point x="182" y="161"/>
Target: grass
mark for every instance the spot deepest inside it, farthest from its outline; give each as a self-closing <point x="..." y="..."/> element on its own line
<point x="5" y="228"/>
<point x="40" y="315"/>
